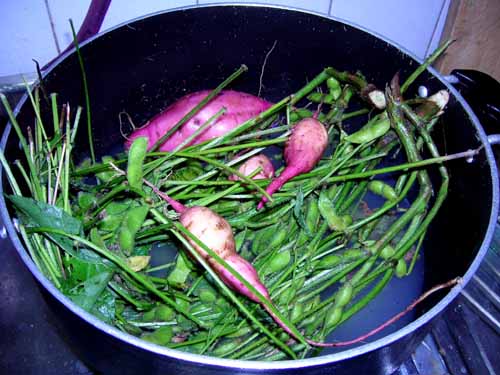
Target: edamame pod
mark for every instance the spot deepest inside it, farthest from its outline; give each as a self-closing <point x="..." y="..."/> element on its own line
<point x="312" y="216"/>
<point x="334" y="88"/>
<point x="344" y="295"/>
<point x="279" y="261"/>
<point x="131" y="224"/>
<point x="333" y="316"/>
<point x="375" y="128"/>
<point x="401" y="268"/>
<point x="164" y="313"/>
<point x="327" y="211"/>
<point x="384" y="190"/>
<point x="329" y="261"/>
<point x="136" y="155"/>
<point x="387" y="252"/>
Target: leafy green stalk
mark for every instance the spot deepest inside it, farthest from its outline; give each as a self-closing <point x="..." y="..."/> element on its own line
<point x="86" y="93"/>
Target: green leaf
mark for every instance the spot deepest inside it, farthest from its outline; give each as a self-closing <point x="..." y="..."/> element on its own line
<point x="105" y="307"/>
<point x="86" y="293"/>
<point x="33" y="213"/>
<point x="180" y="273"/>
<point x="85" y="264"/>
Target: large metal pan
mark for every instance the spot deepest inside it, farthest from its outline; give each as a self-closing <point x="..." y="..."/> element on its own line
<point x="145" y="64"/>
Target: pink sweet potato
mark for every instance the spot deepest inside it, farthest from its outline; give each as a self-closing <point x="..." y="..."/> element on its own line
<point x="239" y="106"/>
<point x="251" y="165"/>
<point x="216" y="233"/>
<point x="303" y="150"/>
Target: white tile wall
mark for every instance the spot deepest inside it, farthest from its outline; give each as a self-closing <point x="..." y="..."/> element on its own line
<point x="408" y="23"/>
<point x="26" y="34"/>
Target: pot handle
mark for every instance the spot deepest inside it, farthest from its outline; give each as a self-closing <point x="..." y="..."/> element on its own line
<point x="494" y="139"/>
<point x="480" y="90"/>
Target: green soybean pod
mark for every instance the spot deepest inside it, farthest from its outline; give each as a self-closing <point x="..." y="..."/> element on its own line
<point x="286" y="296"/>
<point x="300" y="113"/>
<point x="347" y="219"/>
<point x="294" y="117"/>
<point x="332" y="191"/>
<point x="302" y="239"/>
<point x="240" y="238"/>
<point x="344" y="295"/>
<point x="160" y="336"/>
<point x="106" y="175"/>
<point x="333" y="316"/>
<point x="384" y="190"/>
<point x="86" y="200"/>
<point x="329" y="261"/>
<point x="164" y="313"/>
<point x="298" y="282"/>
<point x="136" y="155"/>
<point x="334" y="88"/>
<point x="401" y="268"/>
<point x="148" y="316"/>
<point x="332" y="83"/>
<point x="296" y="312"/>
<point x="225" y="348"/>
<point x="352" y="254"/>
<point x="279" y="261"/>
<point x="373" y="129"/>
<point x="278" y="239"/>
<point x="207" y="296"/>
<point x="312" y="215"/>
<point x="387" y="252"/>
<point x="316" y="97"/>
<point x="313" y="325"/>
<point x="267" y="234"/>
<point x="240" y="332"/>
<point x="132" y="222"/>
<point x="327" y="211"/>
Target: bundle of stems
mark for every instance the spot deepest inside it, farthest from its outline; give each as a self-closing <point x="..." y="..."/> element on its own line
<point x="322" y="253"/>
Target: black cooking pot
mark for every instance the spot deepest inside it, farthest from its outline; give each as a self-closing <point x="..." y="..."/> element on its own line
<point x="142" y="66"/>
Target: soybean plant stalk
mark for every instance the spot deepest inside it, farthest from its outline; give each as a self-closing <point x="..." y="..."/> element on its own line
<point x="86" y="93"/>
<point x="123" y="265"/>
<point x="407" y="140"/>
<point x="443" y="190"/>
<point x="438" y="52"/>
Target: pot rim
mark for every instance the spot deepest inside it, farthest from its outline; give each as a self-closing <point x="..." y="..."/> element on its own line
<point x="263" y="365"/>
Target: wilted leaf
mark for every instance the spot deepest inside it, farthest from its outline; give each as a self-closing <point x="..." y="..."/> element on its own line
<point x="139" y="262"/>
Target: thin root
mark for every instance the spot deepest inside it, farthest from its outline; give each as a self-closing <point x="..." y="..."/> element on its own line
<point x="131" y="123"/>
<point x="392" y="320"/>
<point x="264" y="66"/>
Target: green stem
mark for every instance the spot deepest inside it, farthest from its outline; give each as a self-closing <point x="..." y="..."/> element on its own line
<point x="121" y="263"/>
<point x="86" y="93"/>
<point x="438" y="52"/>
<point x="33" y="170"/>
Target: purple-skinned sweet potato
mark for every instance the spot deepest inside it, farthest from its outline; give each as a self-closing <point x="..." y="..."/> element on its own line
<point x="239" y="106"/>
<point x="251" y="165"/>
<point x="303" y="150"/>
